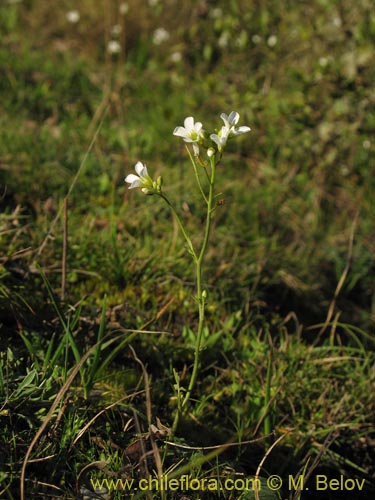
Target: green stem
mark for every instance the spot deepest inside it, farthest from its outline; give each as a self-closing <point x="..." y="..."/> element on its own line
<point x="267" y="399"/>
<point x="209" y="210"/>
<point x="181" y="226"/>
<point x="201" y="297"/>
<point x="197" y="176"/>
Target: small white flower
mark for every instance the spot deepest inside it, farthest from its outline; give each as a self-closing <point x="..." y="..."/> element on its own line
<point x="231" y="121"/>
<point x="228" y="130"/>
<point x="116" y="30"/>
<point x="142" y="180"/>
<point x="272" y="41"/>
<point x="216" y="13"/>
<point x="223" y="40"/>
<point x="323" y="61"/>
<point x="114" y="47"/>
<point x="123" y="8"/>
<point x="344" y="170"/>
<point x="256" y="39"/>
<point x="176" y="57"/>
<point x="160" y="36"/>
<point x="221" y="138"/>
<point x="191" y="132"/>
<point x="366" y="144"/>
<point x="73" y="16"/>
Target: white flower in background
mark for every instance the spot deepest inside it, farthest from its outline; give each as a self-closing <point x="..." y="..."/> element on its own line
<point x="116" y="30"/>
<point x="256" y="39"/>
<point x="114" y="47"/>
<point x="366" y="144"/>
<point x="123" y="8"/>
<point x="176" y="57"/>
<point x="160" y="36"/>
<point x="153" y="3"/>
<point x="142" y="180"/>
<point x="272" y="41"/>
<point x="221" y="137"/>
<point x="223" y="40"/>
<point x="230" y="121"/>
<point x="190" y="132"/>
<point x="216" y="13"/>
<point x="73" y="16"/>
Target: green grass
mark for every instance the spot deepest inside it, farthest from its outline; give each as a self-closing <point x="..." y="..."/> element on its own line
<point x="289" y="341"/>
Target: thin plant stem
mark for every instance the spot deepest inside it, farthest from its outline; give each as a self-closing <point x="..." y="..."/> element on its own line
<point x="201" y="297"/>
<point x="197" y="176"/>
<point x="182" y="228"/>
<point x="65" y="249"/>
<point x="267" y="417"/>
<point x="209" y="210"/>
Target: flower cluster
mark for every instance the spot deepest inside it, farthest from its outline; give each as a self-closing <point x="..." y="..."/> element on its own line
<point x="192" y="133"/>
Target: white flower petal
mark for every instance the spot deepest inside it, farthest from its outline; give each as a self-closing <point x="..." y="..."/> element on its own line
<point x="225" y="118"/>
<point x="141" y="169"/>
<point x="221" y="138"/>
<point x="240" y="130"/>
<point x="196" y="149"/>
<point x="189" y="123"/>
<point x="131" y="178"/>
<point x="215" y="138"/>
<point x="233" y="118"/>
<point x="198" y="127"/>
<point x="224" y="132"/>
<point x="180" y="132"/>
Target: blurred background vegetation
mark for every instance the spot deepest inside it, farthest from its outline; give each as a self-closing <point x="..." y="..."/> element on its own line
<point x="89" y="89"/>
